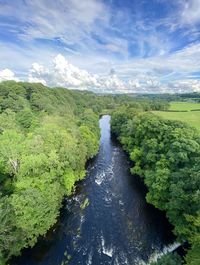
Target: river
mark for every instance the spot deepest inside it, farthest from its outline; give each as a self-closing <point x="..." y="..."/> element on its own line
<point x="107" y="221"/>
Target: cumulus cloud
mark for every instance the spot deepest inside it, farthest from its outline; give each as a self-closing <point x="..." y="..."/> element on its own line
<point x="63" y="73"/>
<point x="7" y="74"/>
<point x="183" y="86"/>
<point x="70" y="75"/>
<point x="36" y="73"/>
<point x="32" y="79"/>
<point x="113" y="84"/>
<point x="135" y="84"/>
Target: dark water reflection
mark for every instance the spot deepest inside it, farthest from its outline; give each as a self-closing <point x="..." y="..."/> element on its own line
<point x="117" y="227"/>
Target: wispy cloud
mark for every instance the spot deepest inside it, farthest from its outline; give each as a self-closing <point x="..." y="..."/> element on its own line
<point x="190" y="12"/>
<point x="69" y="21"/>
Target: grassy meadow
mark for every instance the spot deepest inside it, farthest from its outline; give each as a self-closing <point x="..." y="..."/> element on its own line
<point x="190" y="117"/>
<point x="180" y="106"/>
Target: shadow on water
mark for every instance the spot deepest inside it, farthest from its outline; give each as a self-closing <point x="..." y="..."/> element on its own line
<point x="107" y="220"/>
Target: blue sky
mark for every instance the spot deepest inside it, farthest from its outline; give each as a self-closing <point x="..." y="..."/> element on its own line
<point x="145" y="46"/>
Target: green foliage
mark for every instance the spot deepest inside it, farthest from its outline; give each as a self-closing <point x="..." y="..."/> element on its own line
<point x="90" y="141"/>
<point x="26" y="119"/>
<point x="69" y="180"/>
<point x="36" y="210"/>
<point x="12" y="96"/>
<point x="8" y="121"/>
<point x="46" y="137"/>
<point x="12" y="146"/>
<point x="192" y="257"/>
<point x="11" y="236"/>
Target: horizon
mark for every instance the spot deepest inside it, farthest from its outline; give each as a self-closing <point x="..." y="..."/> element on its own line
<point x="102" y="46"/>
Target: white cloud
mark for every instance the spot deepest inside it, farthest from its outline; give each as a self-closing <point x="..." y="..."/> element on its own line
<point x="182" y="86"/>
<point x="154" y="74"/>
<point x="190" y="12"/>
<point x="62" y="73"/>
<point x="37" y="69"/>
<point x="20" y="58"/>
<point x="70" y="20"/>
<point x="183" y="61"/>
<point x="135" y="84"/>
<point x="36" y="73"/>
<point x="69" y="75"/>
<point x="113" y="84"/>
<point x="7" y="74"/>
<point x="32" y="79"/>
<point x="78" y="25"/>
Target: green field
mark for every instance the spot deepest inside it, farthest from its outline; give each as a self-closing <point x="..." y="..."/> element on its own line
<point x="190" y="117"/>
<point x="184" y="106"/>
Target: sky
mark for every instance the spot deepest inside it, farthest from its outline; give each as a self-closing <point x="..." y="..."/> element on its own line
<point x="114" y="46"/>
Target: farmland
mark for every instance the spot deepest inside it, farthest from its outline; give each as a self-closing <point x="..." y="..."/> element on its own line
<point x="190" y="117"/>
<point x="180" y="106"/>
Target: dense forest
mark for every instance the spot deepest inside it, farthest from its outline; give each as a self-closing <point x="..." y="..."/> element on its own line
<point x="46" y="138"/>
<point x="166" y="154"/>
<point x="48" y="134"/>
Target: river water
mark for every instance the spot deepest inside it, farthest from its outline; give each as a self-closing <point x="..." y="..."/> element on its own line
<point x="107" y="221"/>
